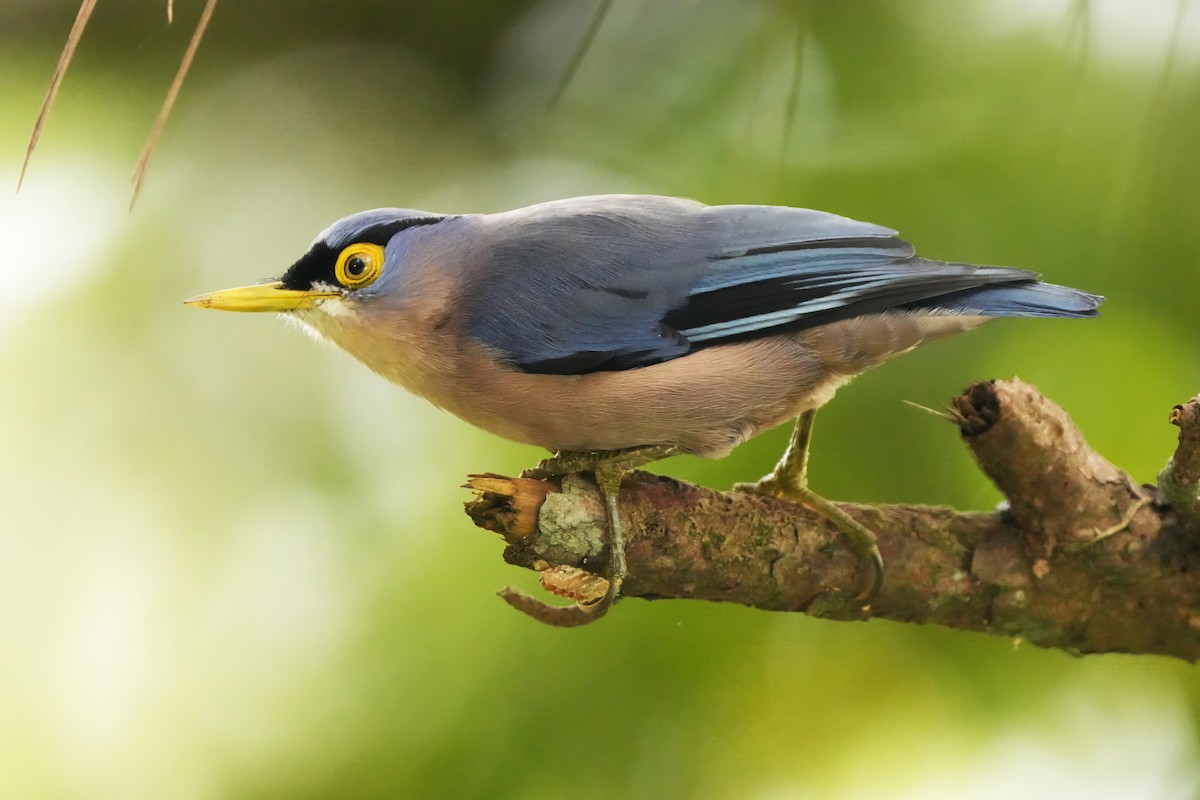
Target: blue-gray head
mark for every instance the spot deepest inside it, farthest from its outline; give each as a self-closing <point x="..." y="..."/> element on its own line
<point x="352" y="262"/>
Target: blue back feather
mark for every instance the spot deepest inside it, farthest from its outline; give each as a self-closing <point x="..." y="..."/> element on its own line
<point x="615" y="282"/>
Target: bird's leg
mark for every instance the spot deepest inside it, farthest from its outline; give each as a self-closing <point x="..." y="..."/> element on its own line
<point x="791" y="473"/>
<point x="609" y="468"/>
<point x="790" y="479"/>
<point x="608" y="479"/>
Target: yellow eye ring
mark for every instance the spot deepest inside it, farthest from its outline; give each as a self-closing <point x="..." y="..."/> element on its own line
<point x="358" y="265"/>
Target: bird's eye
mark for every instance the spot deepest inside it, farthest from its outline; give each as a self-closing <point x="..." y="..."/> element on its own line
<point x="358" y="265"/>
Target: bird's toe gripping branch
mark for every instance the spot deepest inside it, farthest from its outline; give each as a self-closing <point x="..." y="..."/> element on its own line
<point x="789" y="480"/>
<point x="510" y="507"/>
<point x="861" y="539"/>
<point x="593" y="595"/>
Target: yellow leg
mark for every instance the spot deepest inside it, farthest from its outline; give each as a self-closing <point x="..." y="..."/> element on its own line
<point x="610" y="467"/>
<point x="790" y="479"/>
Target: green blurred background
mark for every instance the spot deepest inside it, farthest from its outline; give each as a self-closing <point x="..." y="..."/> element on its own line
<point x="234" y="564"/>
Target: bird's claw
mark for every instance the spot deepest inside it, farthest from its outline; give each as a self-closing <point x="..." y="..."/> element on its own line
<point x="862" y="540"/>
<point x="608" y="468"/>
<point x="766" y="486"/>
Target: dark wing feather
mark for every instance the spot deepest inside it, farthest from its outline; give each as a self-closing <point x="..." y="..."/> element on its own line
<point x="582" y="285"/>
<point x="618" y="282"/>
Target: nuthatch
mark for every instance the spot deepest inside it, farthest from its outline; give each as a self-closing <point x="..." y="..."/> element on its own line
<point x="617" y="330"/>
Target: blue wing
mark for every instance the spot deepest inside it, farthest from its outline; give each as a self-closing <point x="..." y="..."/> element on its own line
<point x="618" y="282"/>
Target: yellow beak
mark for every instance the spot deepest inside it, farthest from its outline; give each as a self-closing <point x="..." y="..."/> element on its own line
<point x="260" y="297"/>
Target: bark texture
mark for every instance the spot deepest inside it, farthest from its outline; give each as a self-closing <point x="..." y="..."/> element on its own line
<point x="1083" y="559"/>
<point x="1179" y="480"/>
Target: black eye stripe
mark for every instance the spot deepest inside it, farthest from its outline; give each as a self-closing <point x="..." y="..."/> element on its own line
<point x="314" y="266"/>
<point x="318" y="264"/>
<point x="383" y="232"/>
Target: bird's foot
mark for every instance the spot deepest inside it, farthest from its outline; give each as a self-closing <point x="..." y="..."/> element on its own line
<point x="766" y="486"/>
<point x="609" y="468"/>
<point x="862" y="540"/>
<point x="573" y="462"/>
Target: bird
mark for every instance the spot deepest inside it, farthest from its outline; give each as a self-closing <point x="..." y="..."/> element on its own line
<point x="616" y="330"/>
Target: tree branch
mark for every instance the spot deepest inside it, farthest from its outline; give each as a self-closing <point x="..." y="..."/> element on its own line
<point x="1082" y="559"/>
<point x="1179" y="480"/>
